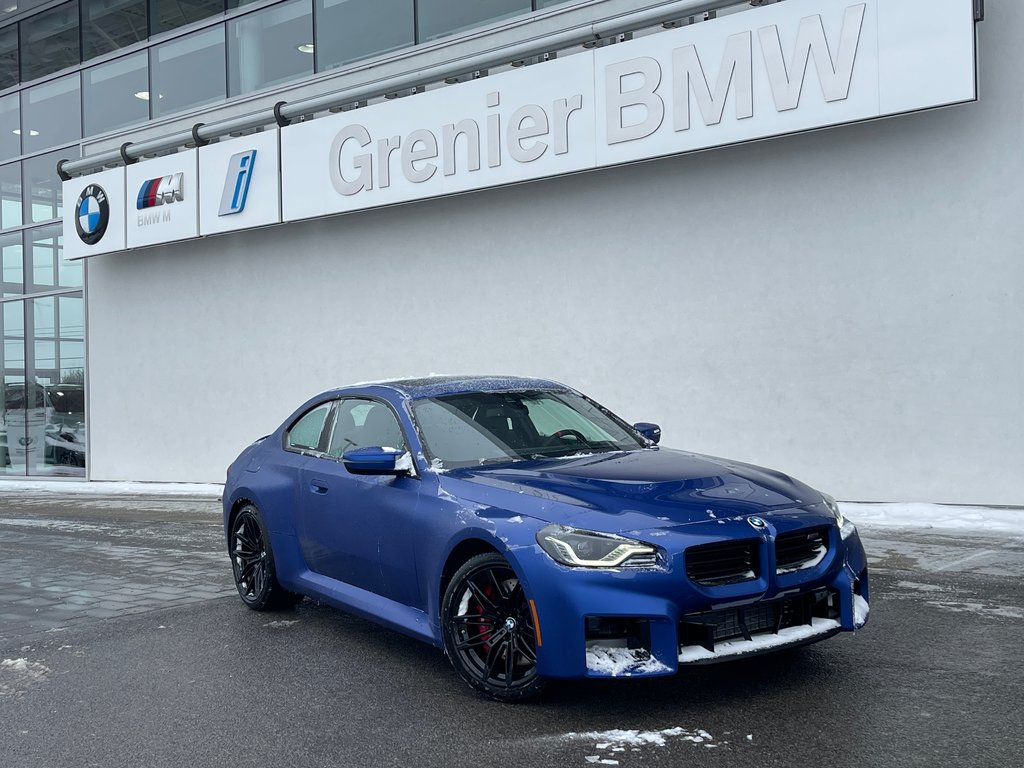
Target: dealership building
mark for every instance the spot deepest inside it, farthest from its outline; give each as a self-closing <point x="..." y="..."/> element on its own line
<point x="789" y="232"/>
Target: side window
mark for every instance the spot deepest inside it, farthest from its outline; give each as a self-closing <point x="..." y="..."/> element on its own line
<point x="306" y="432"/>
<point x="361" y="423"/>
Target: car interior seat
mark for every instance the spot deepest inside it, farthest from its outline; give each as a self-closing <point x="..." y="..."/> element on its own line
<point x="381" y="428"/>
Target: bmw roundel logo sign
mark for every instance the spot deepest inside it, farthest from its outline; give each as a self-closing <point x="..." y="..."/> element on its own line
<point x="92" y="214"/>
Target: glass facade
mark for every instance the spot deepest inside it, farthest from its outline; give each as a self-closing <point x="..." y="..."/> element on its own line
<point x="51" y="114"/>
<point x="437" y="18"/>
<point x="270" y="47"/>
<point x="115" y="94"/>
<point x="109" y="25"/>
<point x="49" y="41"/>
<point x="349" y="30"/>
<point x="187" y="72"/>
<point x="61" y="79"/>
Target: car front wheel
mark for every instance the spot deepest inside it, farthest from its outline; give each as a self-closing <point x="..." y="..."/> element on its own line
<point x="489" y="631"/>
<point x="252" y="563"/>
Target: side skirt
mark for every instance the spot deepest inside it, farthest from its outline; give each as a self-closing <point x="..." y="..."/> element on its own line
<point x="401" y="618"/>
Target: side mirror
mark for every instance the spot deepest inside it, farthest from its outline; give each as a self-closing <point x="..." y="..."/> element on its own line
<point x="375" y="460"/>
<point x="651" y="431"/>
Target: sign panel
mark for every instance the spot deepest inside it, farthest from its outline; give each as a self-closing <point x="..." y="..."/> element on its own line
<point x="239" y="183"/>
<point x="784" y="68"/>
<point x="162" y="199"/>
<point x="497" y="130"/>
<point x="94" y="214"/>
<point x="779" y="69"/>
<point x="790" y="67"/>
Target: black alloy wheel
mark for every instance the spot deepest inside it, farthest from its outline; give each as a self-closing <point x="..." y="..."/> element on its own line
<point x="489" y="632"/>
<point x="252" y="562"/>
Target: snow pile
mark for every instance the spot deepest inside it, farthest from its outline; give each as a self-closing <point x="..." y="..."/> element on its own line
<point x="110" y="488"/>
<point x="860" y="611"/>
<point x="939" y="516"/>
<point x="622" y="662"/>
<point x="610" y="744"/>
<point x="18" y="674"/>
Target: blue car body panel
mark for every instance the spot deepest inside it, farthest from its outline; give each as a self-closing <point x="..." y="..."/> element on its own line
<point x="379" y="546"/>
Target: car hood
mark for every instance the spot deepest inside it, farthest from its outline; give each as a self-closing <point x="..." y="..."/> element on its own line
<point x="652" y="488"/>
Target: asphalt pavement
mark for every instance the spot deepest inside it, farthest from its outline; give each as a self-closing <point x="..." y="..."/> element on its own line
<point x="122" y="643"/>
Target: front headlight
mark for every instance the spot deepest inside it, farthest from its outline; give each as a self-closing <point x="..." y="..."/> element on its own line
<point x="845" y="526"/>
<point x="586" y="549"/>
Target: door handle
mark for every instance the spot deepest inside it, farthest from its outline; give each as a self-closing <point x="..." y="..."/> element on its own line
<point x="318" y="486"/>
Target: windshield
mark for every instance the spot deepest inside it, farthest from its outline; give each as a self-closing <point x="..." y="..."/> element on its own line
<point x="487" y="427"/>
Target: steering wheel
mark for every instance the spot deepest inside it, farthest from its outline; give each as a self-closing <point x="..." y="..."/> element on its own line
<point x="575" y="434"/>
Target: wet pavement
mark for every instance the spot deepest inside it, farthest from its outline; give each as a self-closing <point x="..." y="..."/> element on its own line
<point x="122" y="643"/>
<point x="69" y="560"/>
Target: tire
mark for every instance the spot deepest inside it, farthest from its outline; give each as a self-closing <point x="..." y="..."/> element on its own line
<point x="252" y="564"/>
<point x="488" y="630"/>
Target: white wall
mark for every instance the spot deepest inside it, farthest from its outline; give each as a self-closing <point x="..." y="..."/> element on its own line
<point x="845" y="306"/>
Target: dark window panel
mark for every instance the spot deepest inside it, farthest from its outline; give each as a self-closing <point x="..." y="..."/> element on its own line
<point x="437" y="18"/>
<point x="109" y="25"/>
<point x="11" y="8"/>
<point x="165" y="15"/>
<point x="49" y="41"/>
<point x="9" y="74"/>
<point x="349" y="30"/>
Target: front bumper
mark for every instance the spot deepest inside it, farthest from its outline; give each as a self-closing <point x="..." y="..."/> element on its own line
<point x="630" y="623"/>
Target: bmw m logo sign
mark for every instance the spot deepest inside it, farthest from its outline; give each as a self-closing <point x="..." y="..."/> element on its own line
<point x="164" y="190"/>
<point x="757" y="523"/>
<point x="93" y="214"/>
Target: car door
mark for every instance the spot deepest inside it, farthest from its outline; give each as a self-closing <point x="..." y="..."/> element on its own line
<point x="344" y="518"/>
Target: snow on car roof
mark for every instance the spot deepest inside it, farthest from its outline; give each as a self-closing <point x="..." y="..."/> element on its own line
<point x="435" y="386"/>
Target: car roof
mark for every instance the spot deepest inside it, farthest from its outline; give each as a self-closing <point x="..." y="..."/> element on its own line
<point x="435" y="386"/>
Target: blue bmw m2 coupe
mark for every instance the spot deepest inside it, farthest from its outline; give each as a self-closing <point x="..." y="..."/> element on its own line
<point x="533" y="534"/>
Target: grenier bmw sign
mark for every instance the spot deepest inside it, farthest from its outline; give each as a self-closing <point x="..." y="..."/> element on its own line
<point x="780" y="69"/>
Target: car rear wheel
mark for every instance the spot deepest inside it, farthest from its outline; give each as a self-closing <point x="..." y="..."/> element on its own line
<point x="489" y="632"/>
<point x="252" y="562"/>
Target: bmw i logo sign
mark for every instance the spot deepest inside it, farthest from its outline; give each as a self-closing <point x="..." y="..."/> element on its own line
<point x="93" y="214"/>
<point x="757" y="522"/>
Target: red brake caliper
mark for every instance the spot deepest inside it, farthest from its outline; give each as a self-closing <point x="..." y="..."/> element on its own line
<point x="486" y="630"/>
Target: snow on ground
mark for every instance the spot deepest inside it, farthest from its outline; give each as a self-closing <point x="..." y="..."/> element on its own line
<point x="17" y="674"/>
<point x="988" y="520"/>
<point x="110" y="488"/>
<point x="613" y="745"/>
